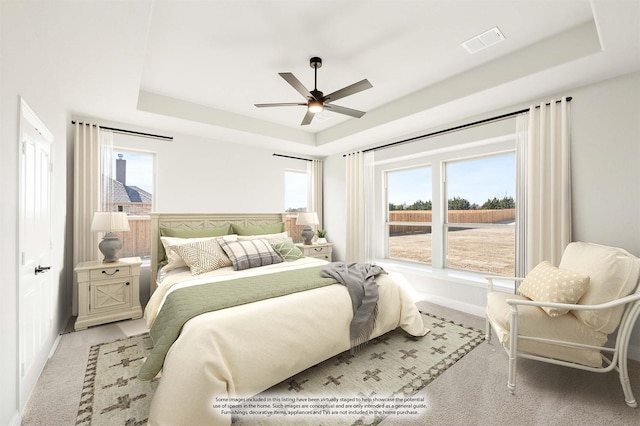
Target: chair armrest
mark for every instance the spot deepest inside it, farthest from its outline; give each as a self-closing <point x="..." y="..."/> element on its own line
<point x="490" y="279"/>
<point x="576" y="307"/>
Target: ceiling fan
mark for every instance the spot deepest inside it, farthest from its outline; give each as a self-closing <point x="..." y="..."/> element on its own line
<point x="316" y="100"/>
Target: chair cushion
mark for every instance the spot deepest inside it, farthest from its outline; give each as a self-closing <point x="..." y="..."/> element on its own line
<point x="613" y="274"/>
<point x="546" y="283"/>
<point x="534" y="322"/>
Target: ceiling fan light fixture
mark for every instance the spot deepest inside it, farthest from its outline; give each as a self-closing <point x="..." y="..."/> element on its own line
<point x="315" y="106"/>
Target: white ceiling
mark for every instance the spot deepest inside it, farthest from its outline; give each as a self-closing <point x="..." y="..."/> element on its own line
<point x="197" y="67"/>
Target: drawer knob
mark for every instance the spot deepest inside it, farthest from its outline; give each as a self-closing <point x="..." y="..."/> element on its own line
<point x="127" y="283"/>
<point x="318" y="249"/>
<point x="113" y="273"/>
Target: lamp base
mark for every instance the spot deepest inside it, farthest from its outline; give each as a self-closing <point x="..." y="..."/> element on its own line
<point x="109" y="246"/>
<point x="307" y="234"/>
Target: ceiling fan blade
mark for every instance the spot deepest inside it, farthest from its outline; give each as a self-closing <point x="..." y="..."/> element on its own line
<point x="343" y="110"/>
<point x="280" y="104"/>
<point x="295" y="83"/>
<point x="349" y="90"/>
<point x="307" y="118"/>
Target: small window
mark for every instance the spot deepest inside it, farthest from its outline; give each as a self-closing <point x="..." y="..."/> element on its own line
<point x="409" y="214"/>
<point x="296" y="191"/>
<point x="132" y="183"/>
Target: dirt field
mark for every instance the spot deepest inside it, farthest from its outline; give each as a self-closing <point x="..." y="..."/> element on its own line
<point x="489" y="251"/>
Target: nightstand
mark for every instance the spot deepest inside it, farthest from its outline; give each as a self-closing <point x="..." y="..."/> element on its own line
<point x="320" y="251"/>
<point x="108" y="292"/>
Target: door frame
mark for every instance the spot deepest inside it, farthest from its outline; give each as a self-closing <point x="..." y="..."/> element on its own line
<point x="27" y="114"/>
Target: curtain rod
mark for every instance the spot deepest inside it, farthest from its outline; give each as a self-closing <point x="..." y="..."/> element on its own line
<point x="289" y="156"/>
<point x="454" y="129"/>
<point x="131" y="132"/>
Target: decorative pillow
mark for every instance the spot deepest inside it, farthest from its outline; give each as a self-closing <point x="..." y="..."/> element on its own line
<point x="280" y="237"/>
<point x="250" y="253"/>
<point x="214" y="231"/>
<point x="288" y="251"/>
<point x="546" y="283"/>
<point x="267" y="228"/>
<point x="203" y="256"/>
<point x="174" y="259"/>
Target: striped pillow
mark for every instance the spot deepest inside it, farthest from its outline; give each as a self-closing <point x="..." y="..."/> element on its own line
<point x="250" y="253"/>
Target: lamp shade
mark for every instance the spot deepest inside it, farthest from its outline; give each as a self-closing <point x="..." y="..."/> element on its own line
<point x="109" y="222"/>
<point x="307" y="219"/>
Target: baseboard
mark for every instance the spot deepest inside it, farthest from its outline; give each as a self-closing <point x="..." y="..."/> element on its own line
<point x="16" y="420"/>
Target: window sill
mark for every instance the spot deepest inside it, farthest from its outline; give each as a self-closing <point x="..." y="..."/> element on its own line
<point x="474" y="279"/>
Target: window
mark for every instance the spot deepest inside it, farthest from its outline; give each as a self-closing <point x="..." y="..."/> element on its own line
<point x="296" y="191"/>
<point x="452" y="208"/>
<point x="409" y="214"/>
<point x="132" y="192"/>
<point x="480" y="222"/>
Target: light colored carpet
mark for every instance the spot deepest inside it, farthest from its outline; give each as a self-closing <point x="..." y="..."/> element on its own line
<point x="471" y="392"/>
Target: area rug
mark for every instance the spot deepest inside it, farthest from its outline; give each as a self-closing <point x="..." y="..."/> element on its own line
<point x="378" y="381"/>
<point x="112" y="394"/>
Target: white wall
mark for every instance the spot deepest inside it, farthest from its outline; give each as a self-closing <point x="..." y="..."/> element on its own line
<point x="606" y="187"/>
<point x="24" y="73"/>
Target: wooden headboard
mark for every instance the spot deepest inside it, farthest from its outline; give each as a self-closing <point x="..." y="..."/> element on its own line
<point x="198" y="221"/>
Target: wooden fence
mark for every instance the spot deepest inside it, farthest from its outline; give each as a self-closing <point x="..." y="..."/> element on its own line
<point x="455" y="216"/>
<point x="136" y="241"/>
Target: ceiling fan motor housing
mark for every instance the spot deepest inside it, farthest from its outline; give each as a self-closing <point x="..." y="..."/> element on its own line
<point x="315" y="62"/>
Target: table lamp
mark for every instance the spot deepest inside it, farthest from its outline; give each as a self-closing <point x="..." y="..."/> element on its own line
<point x="307" y="219"/>
<point x="110" y="222"/>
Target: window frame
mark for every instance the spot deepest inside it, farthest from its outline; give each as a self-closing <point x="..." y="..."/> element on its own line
<point x="436" y="155"/>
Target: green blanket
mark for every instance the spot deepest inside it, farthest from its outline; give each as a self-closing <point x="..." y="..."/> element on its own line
<point x="183" y="304"/>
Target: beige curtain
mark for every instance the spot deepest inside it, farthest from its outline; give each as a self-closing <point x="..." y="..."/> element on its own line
<point x="359" y="194"/>
<point x="544" y="193"/>
<point x="314" y="169"/>
<point x="92" y="180"/>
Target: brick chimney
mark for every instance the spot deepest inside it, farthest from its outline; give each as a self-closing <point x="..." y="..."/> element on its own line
<point x="121" y="170"/>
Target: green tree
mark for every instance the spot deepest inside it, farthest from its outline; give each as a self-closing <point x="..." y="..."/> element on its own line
<point x="457" y="203"/>
<point x="420" y="205"/>
<point x="495" y="203"/>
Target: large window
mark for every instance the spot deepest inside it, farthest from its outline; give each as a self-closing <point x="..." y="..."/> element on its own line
<point x="480" y="221"/>
<point x="409" y="214"/>
<point x="132" y="192"/>
<point x="454" y="213"/>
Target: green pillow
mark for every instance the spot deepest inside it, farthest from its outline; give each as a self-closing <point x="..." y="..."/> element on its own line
<point x="288" y="251"/>
<point x="270" y="228"/>
<point x="215" y="231"/>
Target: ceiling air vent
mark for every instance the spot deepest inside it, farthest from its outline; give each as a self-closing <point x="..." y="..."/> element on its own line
<point x="484" y="40"/>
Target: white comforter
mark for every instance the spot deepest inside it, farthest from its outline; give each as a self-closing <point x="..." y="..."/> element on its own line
<point x="244" y="350"/>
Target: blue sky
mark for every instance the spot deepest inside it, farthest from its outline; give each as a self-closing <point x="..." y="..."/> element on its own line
<point x="476" y="180"/>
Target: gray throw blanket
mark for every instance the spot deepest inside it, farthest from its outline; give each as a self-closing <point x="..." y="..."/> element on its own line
<point x="359" y="278"/>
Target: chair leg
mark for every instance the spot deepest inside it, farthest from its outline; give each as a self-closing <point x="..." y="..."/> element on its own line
<point x="624" y="381"/>
<point x="487" y="333"/>
<point x="513" y="350"/>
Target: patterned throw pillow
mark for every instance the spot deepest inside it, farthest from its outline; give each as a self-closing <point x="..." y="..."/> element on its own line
<point x="203" y="256"/>
<point x="546" y="283"/>
<point x="288" y="251"/>
<point x="250" y="253"/>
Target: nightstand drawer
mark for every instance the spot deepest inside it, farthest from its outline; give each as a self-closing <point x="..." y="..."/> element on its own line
<point x="319" y="251"/>
<point x="110" y="272"/>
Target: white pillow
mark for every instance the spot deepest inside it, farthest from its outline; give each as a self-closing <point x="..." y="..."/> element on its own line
<point x="174" y="260"/>
<point x="280" y="237"/>
<point x="546" y="283"/>
<point x="203" y="256"/>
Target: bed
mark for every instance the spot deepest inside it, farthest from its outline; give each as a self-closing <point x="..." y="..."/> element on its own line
<point x="243" y="350"/>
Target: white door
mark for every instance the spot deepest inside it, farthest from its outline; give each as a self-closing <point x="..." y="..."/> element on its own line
<point x="35" y="316"/>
